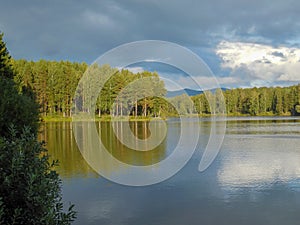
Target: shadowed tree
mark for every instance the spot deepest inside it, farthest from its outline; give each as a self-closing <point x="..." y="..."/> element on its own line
<point x="30" y="190"/>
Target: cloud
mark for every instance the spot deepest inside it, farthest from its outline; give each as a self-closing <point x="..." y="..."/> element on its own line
<point x="83" y="30"/>
<point x="278" y="54"/>
<point x="260" y="64"/>
<point x="136" y="69"/>
<point x="97" y="19"/>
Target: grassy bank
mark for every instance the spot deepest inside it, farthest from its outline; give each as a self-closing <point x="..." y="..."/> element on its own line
<point x="58" y="118"/>
<point x="103" y="118"/>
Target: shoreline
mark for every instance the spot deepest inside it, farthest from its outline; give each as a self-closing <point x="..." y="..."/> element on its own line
<point x="142" y="118"/>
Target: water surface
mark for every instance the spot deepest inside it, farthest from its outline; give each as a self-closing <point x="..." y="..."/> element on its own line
<point x="255" y="179"/>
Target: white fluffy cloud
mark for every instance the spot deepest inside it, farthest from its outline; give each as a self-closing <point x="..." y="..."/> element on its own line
<point x="135" y="69"/>
<point x="258" y="64"/>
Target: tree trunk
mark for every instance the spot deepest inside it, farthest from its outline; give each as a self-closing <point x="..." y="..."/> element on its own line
<point x="121" y="109"/>
<point x="136" y="108"/>
<point x="145" y="108"/>
<point x="117" y="108"/>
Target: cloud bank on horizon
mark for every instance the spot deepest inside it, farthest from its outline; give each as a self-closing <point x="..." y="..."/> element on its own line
<point x="262" y="65"/>
<point x="245" y="43"/>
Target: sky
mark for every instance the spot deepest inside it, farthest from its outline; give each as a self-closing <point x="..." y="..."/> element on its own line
<point x="244" y="43"/>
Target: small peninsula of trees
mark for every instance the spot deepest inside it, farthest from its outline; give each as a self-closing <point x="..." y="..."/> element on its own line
<point x="54" y="84"/>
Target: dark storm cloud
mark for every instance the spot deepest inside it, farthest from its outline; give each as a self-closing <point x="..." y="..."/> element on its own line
<point x="278" y="54"/>
<point x="83" y="30"/>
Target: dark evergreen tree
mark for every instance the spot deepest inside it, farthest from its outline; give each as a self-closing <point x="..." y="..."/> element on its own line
<point x="5" y="60"/>
<point x="29" y="187"/>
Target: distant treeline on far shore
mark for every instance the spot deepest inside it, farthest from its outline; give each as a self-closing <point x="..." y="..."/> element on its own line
<point x="54" y="84"/>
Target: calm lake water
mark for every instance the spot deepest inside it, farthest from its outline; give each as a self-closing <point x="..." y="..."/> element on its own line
<point x="255" y="179"/>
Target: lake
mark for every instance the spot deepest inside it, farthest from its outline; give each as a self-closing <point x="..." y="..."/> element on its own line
<point x="255" y="178"/>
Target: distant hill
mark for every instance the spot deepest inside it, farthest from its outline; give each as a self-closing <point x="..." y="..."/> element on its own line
<point x="189" y="92"/>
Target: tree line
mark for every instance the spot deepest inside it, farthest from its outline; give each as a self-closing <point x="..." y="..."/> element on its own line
<point x="54" y="84"/>
<point x="256" y="101"/>
<point x="264" y="101"/>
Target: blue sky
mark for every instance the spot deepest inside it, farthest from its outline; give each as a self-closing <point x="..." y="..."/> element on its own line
<point x="245" y="43"/>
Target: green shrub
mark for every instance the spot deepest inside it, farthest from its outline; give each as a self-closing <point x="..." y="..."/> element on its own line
<point x="30" y="190"/>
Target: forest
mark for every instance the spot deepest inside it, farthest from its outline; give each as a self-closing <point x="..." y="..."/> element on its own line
<point x="54" y="84"/>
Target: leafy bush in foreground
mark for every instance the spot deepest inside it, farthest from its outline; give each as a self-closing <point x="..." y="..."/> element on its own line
<point x="30" y="190"/>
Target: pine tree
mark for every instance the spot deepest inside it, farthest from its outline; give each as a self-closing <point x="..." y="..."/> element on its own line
<point x="5" y="60"/>
<point x="30" y="190"/>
